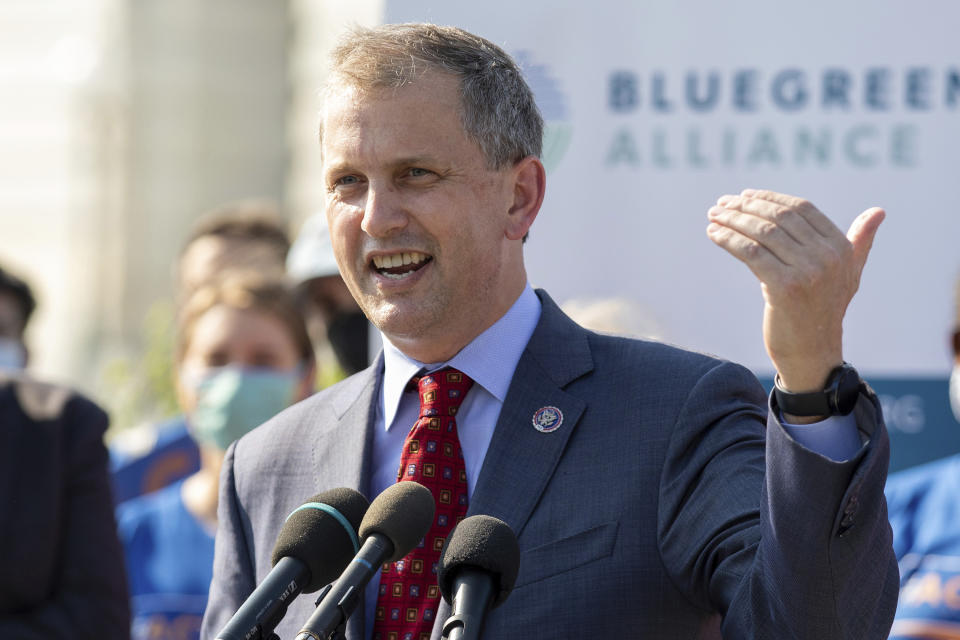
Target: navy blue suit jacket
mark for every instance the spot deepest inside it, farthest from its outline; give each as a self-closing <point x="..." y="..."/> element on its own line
<point x="667" y="505"/>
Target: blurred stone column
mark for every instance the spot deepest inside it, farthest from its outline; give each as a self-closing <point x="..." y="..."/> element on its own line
<point x="315" y="27"/>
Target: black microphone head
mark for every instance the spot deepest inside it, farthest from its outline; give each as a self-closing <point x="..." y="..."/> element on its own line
<point x="403" y="513"/>
<point x="486" y="543"/>
<point x="322" y="534"/>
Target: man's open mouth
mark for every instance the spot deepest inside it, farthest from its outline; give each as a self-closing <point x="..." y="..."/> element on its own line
<point x="400" y="265"/>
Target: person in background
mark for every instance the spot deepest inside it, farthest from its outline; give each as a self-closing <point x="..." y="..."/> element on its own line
<point x="340" y="332"/>
<point x="242" y="355"/>
<point x="62" y="565"/>
<point x="245" y="235"/>
<point x="924" y="508"/>
<point x="16" y="306"/>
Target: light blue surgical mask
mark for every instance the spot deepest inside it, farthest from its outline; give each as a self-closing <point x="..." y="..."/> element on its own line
<point x="233" y="400"/>
<point x="12" y="354"/>
<point x="955" y="391"/>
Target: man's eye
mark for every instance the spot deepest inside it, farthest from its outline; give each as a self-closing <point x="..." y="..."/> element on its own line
<point x="346" y="181"/>
<point x="416" y="172"/>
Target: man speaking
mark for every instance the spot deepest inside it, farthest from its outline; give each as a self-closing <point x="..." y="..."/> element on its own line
<point x="653" y="493"/>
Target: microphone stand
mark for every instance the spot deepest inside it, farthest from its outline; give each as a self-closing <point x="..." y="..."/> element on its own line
<point x="340" y="631"/>
<point x="465" y="622"/>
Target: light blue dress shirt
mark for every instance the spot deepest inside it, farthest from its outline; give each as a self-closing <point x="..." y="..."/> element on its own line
<point x="489" y="360"/>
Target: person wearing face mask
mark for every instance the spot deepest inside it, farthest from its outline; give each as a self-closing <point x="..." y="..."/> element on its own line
<point x="924" y="508"/>
<point x="241" y="235"/>
<point x="341" y="334"/>
<point x="16" y="306"/>
<point x="62" y="565"/>
<point x="243" y="355"/>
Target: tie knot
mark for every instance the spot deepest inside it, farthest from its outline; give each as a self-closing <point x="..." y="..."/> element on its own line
<point x="442" y="392"/>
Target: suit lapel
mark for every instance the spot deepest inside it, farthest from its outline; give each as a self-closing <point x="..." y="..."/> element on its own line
<point x="355" y="406"/>
<point x="521" y="459"/>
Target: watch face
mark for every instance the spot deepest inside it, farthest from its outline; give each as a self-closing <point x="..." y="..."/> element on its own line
<point x="847" y="390"/>
<point x="839" y="396"/>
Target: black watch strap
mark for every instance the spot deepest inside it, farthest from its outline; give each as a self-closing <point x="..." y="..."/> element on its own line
<point x="838" y="397"/>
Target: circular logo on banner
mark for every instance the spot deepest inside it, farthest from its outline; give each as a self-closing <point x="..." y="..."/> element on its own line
<point x="552" y="101"/>
<point x="547" y="419"/>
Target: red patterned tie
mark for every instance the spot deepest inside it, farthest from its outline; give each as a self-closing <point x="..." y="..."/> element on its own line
<point x="408" y="599"/>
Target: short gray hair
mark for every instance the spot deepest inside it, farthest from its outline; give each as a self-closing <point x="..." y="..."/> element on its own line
<point x="498" y="109"/>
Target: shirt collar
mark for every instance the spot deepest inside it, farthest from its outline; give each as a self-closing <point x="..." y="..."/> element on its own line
<point x="489" y="359"/>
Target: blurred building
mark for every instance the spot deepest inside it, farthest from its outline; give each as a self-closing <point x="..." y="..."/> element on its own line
<point x="120" y="122"/>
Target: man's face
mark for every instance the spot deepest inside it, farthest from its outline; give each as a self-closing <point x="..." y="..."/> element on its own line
<point x="417" y="220"/>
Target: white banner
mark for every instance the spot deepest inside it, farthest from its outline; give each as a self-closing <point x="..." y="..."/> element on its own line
<point x="656" y="109"/>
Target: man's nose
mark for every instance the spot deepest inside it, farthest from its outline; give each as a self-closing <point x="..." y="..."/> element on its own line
<point x="383" y="212"/>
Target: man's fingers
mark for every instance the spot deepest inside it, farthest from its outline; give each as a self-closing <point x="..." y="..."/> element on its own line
<point x="862" y="232"/>
<point x="758" y="258"/>
<point x="771" y="236"/>
<point x="785" y="218"/>
<point x="811" y="214"/>
<point x="773" y="196"/>
<point x="768" y="231"/>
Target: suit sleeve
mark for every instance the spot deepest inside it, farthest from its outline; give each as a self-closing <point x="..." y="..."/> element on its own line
<point x="233" y="576"/>
<point x="797" y="545"/>
<point x="89" y="599"/>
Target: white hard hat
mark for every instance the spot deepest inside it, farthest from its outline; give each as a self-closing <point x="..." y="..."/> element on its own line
<point x="311" y="254"/>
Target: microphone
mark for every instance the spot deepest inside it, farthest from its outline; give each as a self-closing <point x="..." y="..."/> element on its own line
<point x="315" y="543"/>
<point x="395" y="523"/>
<point x="478" y="568"/>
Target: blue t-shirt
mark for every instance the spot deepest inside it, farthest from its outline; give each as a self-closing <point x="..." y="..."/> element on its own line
<point x="924" y="508"/>
<point x="169" y="557"/>
<point x="173" y="456"/>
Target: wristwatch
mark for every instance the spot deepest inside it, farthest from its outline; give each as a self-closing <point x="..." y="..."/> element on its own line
<point x="838" y="397"/>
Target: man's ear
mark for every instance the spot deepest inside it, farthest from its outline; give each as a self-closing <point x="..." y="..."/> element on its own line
<point x="529" y="187"/>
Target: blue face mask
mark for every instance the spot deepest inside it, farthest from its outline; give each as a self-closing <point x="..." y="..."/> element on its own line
<point x="12" y="355"/>
<point x="233" y="400"/>
<point x="955" y="391"/>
